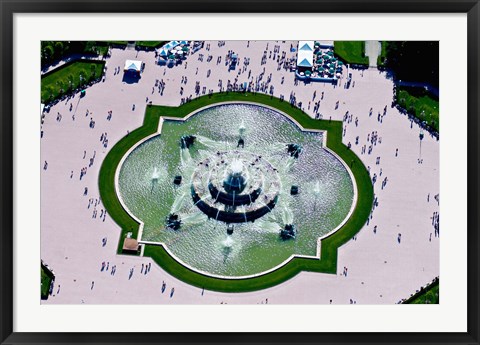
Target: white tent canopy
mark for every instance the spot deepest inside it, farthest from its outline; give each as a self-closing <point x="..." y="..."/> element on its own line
<point x="133" y="65"/>
<point x="305" y="62"/>
<point x="305" y="46"/>
<point x="170" y="45"/>
<point x="305" y="54"/>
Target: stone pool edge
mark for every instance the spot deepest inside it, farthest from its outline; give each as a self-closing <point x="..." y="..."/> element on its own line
<point x="208" y="274"/>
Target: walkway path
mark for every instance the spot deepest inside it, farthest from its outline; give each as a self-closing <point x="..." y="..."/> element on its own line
<point x="380" y="270"/>
<point x="373" y="50"/>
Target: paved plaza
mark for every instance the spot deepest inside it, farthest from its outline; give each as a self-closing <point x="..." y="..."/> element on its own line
<point x="389" y="259"/>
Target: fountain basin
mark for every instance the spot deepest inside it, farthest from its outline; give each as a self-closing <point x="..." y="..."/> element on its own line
<point x="254" y="250"/>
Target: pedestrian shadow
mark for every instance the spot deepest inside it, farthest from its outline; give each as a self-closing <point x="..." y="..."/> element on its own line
<point x="76" y="107"/>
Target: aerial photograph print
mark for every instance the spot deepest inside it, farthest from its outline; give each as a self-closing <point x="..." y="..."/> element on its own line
<point x="239" y="172"/>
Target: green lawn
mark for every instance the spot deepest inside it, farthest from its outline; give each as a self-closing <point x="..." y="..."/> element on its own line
<point x="330" y="245"/>
<point x="150" y="44"/>
<point x="46" y="280"/>
<point x="122" y="43"/>
<point x="422" y="106"/>
<point x="430" y="295"/>
<point x="351" y="51"/>
<point x="66" y="78"/>
<point x="383" y="54"/>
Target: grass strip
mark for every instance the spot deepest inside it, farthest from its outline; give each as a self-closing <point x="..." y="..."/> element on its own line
<point x="352" y="52"/>
<point x="46" y="278"/>
<point x="68" y="77"/>
<point x="429" y="295"/>
<point x="419" y="104"/>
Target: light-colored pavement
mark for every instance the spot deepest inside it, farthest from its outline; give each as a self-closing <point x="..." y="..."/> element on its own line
<point x="372" y="50"/>
<point x="379" y="269"/>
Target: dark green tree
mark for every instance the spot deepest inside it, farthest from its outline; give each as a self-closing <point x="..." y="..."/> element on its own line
<point x="58" y="48"/>
<point x="70" y="81"/>
<point x="92" y="70"/>
<point x="47" y="54"/>
<point x="415" y="61"/>
<point x="90" y="47"/>
<point x="82" y="76"/>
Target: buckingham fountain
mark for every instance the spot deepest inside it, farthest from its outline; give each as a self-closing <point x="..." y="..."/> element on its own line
<point x="236" y="189"/>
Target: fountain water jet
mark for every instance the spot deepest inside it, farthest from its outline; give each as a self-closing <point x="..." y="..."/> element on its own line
<point x="316" y="192"/>
<point x="194" y="218"/>
<point x="267" y="226"/>
<point x="228" y="242"/>
<point x="287" y="215"/>
<point x="241" y="128"/>
<point x="185" y="157"/>
<point x="178" y="203"/>
<point x="211" y="143"/>
<point x="155" y="174"/>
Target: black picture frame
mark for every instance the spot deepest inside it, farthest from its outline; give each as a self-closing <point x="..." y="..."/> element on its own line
<point x="10" y="7"/>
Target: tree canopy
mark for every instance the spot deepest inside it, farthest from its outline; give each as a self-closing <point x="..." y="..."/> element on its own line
<point x="414" y="61"/>
<point x="55" y="50"/>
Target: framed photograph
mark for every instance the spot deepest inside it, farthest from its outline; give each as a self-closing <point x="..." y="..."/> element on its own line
<point x="231" y="173"/>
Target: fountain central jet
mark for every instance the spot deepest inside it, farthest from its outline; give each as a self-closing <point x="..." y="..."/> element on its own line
<point x="236" y="188"/>
<point x="235" y="182"/>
